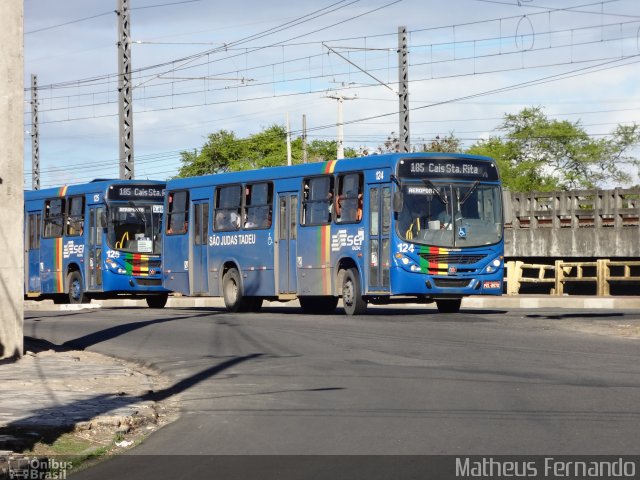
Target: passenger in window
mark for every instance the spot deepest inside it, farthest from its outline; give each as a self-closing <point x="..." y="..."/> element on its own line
<point x="330" y="205"/>
<point x="234" y="220"/>
<point x="349" y="207"/>
<point x="227" y="220"/>
<point x="251" y="219"/>
<point x="219" y="221"/>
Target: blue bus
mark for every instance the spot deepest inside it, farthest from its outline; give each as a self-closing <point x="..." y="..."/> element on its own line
<point x="418" y="227"/>
<point x="94" y="240"/>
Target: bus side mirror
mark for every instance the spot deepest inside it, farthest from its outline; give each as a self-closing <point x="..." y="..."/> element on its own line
<point x="398" y="201"/>
<point x="103" y="220"/>
<point x="507" y="207"/>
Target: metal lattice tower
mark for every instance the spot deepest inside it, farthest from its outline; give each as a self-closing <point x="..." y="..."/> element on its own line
<point x="35" y="136"/>
<point x="125" y="92"/>
<point x="403" y="95"/>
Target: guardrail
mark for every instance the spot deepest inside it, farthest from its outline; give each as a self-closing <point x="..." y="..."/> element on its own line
<point x="576" y="209"/>
<point x="574" y="225"/>
<point x="602" y="273"/>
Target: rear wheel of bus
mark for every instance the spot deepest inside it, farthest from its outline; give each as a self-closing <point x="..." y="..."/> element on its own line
<point x="234" y="298"/>
<point x="449" y="305"/>
<point x="157" y="301"/>
<point x="76" y="288"/>
<point x="352" y="300"/>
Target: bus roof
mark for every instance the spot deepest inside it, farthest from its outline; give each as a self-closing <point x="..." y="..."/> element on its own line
<point x="95" y="186"/>
<point x="388" y="160"/>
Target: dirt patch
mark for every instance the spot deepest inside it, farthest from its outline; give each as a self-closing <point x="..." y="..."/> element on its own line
<point x="77" y="405"/>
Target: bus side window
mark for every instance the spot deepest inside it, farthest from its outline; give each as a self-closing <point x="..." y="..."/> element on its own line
<point x="228" y="206"/>
<point x="75" y="216"/>
<point x="318" y="200"/>
<point x="258" y="200"/>
<point x="349" y="200"/>
<point x="34" y="231"/>
<point x="177" y="216"/>
<point x="54" y="217"/>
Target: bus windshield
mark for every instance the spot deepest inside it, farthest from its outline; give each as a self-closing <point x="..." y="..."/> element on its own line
<point x="135" y="228"/>
<point x="450" y="214"/>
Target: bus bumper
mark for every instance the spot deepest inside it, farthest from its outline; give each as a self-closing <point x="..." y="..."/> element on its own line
<point x="403" y="283"/>
<point x="132" y="284"/>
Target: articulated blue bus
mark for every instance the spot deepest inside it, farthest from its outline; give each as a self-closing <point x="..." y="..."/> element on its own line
<point x="94" y="240"/>
<point x="380" y="229"/>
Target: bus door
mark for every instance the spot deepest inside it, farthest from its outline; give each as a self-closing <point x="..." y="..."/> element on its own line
<point x="199" y="241"/>
<point x="287" y="238"/>
<point x="32" y="250"/>
<point x="94" y="273"/>
<point x="379" y="258"/>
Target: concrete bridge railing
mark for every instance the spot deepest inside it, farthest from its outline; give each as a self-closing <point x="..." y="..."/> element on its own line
<point x="574" y="224"/>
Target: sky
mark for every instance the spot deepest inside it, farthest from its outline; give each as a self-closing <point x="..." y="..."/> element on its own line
<point x="200" y="66"/>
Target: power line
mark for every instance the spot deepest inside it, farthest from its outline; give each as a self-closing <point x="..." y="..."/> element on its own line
<point x="413" y="65"/>
<point x="284" y="42"/>
<point x="572" y="9"/>
<point x="270" y="96"/>
<point x="110" y="12"/>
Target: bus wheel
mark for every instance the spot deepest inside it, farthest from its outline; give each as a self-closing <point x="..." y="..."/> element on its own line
<point x="449" y="305"/>
<point x="323" y="305"/>
<point x="76" y="289"/>
<point x="157" y="301"/>
<point x="352" y="300"/>
<point x="234" y="300"/>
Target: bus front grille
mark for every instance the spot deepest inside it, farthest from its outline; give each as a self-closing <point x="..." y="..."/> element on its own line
<point x="149" y="282"/>
<point x="451" y="282"/>
<point x="452" y="259"/>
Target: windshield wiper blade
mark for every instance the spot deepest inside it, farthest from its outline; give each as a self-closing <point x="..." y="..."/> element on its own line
<point x="429" y="184"/>
<point x="469" y="192"/>
<point x="137" y="212"/>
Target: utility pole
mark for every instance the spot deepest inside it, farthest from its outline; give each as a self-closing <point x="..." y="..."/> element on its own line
<point x="340" y="137"/>
<point x="35" y="135"/>
<point x="11" y="179"/>
<point x="304" y="139"/>
<point x="288" y="141"/>
<point x="403" y="94"/>
<point x="125" y="92"/>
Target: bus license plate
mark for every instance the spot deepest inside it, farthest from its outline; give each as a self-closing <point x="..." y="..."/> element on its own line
<point x="491" y="285"/>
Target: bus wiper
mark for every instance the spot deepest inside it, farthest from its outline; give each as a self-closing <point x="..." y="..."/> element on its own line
<point x="138" y="214"/>
<point x="469" y="192"/>
<point x="429" y="184"/>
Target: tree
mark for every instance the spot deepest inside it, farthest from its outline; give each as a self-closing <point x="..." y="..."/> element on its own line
<point x="439" y="144"/>
<point x="541" y="154"/>
<point x="445" y="144"/>
<point x="220" y="151"/>
<point x="224" y="152"/>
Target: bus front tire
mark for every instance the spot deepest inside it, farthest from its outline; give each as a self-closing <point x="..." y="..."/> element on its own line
<point x="322" y="305"/>
<point x="449" y="305"/>
<point x="157" y="301"/>
<point x="234" y="299"/>
<point x="352" y="300"/>
<point x="76" y="288"/>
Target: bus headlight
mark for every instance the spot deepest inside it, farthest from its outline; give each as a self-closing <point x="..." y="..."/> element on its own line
<point x="114" y="267"/>
<point x="407" y="263"/>
<point x="494" y="266"/>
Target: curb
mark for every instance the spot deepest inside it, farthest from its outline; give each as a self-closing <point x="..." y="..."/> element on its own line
<point x="478" y="301"/>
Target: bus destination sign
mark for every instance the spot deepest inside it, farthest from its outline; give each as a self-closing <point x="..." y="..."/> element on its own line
<point x="136" y="192"/>
<point x="448" y="168"/>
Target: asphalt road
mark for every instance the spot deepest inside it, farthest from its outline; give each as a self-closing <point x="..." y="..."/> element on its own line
<point x="393" y="382"/>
